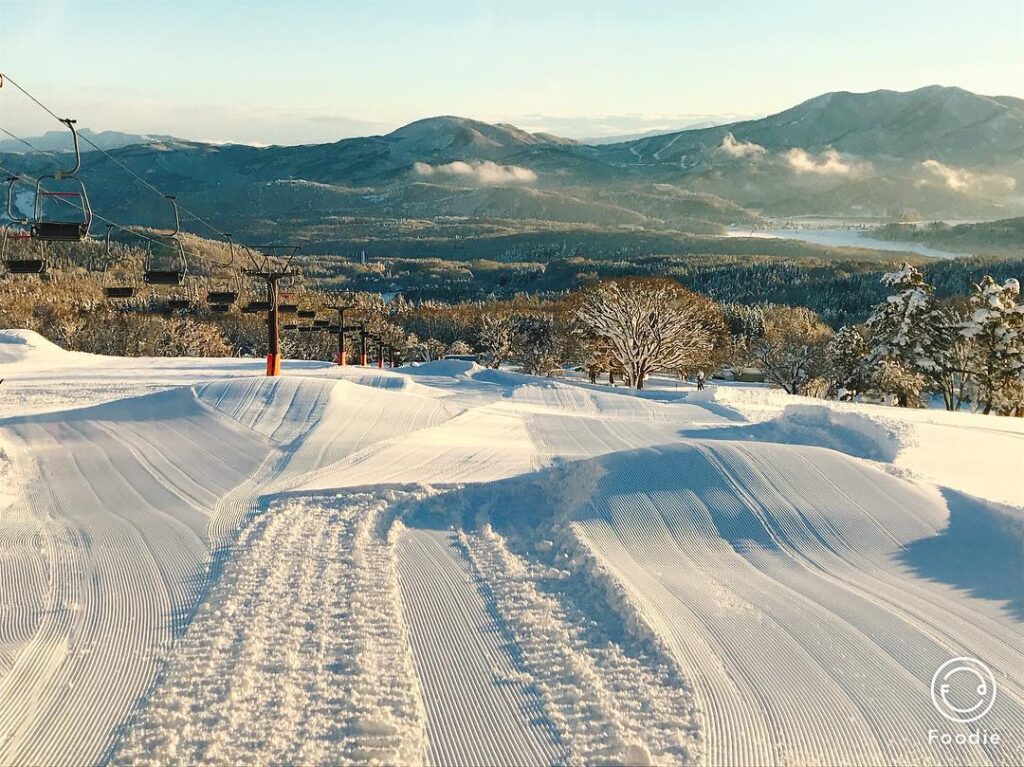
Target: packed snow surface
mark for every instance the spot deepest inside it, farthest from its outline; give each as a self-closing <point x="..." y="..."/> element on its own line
<point x="451" y="565"/>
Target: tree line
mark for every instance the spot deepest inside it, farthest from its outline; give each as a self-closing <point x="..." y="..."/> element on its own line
<point x="965" y="348"/>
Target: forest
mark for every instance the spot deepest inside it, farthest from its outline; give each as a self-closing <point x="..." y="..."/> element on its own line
<point x="903" y="333"/>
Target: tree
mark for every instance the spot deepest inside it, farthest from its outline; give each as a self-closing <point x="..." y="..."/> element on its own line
<point x="791" y="352"/>
<point x="908" y="335"/>
<point x="892" y="378"/>
<point x="499" y="338"/>
<point x="955" y="378"/>
<point x="649" y="324"/>
<point x="844" y="362"/>
<point x="996" y="328"/>
<point x="539" y="347"/>
<point x="460" y="348"/>
<point x="424" y="350"/>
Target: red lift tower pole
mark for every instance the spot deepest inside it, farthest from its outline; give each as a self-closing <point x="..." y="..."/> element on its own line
<point x="271" y="270"/>
<point x="341" y="304"/>
<point x="363" y="356"/>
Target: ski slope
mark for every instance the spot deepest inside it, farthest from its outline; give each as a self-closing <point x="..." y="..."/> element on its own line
<point x="449" y="565"/>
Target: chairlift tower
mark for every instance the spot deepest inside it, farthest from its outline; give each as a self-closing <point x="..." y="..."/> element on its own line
<point x="341" y="303"/>
<point x="273" y="266"/>
<point x="363" y="335"/>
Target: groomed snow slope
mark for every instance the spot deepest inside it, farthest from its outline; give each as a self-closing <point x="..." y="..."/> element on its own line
<point x="351" y="565"/>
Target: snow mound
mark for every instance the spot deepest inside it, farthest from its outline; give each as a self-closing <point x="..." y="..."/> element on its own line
<point x="19" y="345"/>
<point x="853" y="433"/>
<point x="448" y="368"/>
<point x="279" y="408"/>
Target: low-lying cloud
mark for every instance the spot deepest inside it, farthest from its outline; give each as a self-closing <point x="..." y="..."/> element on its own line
<point x="827" y="163"/>
<point x="736" y="148"/>
<point x="963" y="180"/>
<point x="483" y="172"/>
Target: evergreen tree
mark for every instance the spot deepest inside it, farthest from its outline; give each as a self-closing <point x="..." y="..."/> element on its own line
<point x="844" y="362"/>
<point x="909" y="336"/>
<point x="996" y="328"/>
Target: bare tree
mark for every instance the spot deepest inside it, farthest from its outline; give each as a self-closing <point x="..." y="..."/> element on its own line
<point x="649" y="324"/>
<point x="792" y="350"/>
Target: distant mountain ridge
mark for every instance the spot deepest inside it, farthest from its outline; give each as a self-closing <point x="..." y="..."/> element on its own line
<point x="60" y="141"/>
<point x="935" y="152"/>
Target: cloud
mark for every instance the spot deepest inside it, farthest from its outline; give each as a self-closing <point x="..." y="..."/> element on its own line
<point x="963" y="180"/>
<point x="485" y="172"/>
<point x="736" y="148"/>
<point x="828" y="163"/>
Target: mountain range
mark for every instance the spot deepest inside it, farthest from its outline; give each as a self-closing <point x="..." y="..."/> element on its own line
<point x="936" y="152"/>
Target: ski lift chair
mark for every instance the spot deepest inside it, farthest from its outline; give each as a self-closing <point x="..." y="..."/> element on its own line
<point x="17" y="265"/>
<point x="171" y="266"/>
<point x="49" y="228"/>
<point x="225" y="291"/>
<point x="256" y="307"/>
<point x="35" y="266"/>
<point x="306" y="314"/>
<point x="116" y="285"/>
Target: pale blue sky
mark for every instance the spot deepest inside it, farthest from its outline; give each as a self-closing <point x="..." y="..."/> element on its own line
<point x="316" y="70"/>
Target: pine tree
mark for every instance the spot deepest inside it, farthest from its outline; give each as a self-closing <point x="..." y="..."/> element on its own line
<point x="997" y="329"/>
<point x="844" y="362"/>
<point x="909" y="334"/>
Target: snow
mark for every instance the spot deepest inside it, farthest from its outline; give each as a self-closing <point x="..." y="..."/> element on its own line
<point x="454" y="565"/>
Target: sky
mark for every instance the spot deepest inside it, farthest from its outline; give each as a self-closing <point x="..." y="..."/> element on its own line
<point x="305" y="71"/>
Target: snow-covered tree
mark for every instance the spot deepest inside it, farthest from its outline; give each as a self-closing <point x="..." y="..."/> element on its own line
<point x="649" y="324"/>
<point x="499" y="338"/>
<point x="909" y="334"/>
<point x="539" y="345"/>
<point x="996" y="328"/>
<point x="892" y="378"/>
<point x="424" y="349"/>
<point x="459" y="347"/>
<point x="791" y="351"/>
<point x="844" y="362"/>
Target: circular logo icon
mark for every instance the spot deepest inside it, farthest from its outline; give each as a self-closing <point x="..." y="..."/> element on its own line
<point x="963" y="689"/>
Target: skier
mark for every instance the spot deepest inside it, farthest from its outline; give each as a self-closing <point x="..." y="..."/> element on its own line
<point x="700" y="380"/>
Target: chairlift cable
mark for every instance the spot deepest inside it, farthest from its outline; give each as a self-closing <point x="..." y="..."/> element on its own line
<point x="4" y="77"/>
<point x="127" y="230"/>
<point x="109" y="156"/>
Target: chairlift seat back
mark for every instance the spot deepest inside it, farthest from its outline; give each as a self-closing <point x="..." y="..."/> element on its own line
<point x="287" y="308"/>
<point x="164" y="277"/>
<point x="25" y="265"/>
<point x="119" y="291"/>
<point x="221" y="297"/>
<point x="255" y="307"/>
<point x="306" y="314"/>
<point x="60" y="231"/>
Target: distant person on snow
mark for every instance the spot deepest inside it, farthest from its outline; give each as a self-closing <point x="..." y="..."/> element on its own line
<point x="700" y="380"/>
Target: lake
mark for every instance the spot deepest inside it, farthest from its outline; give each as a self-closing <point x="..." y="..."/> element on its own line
<point x="843" y="238"/>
